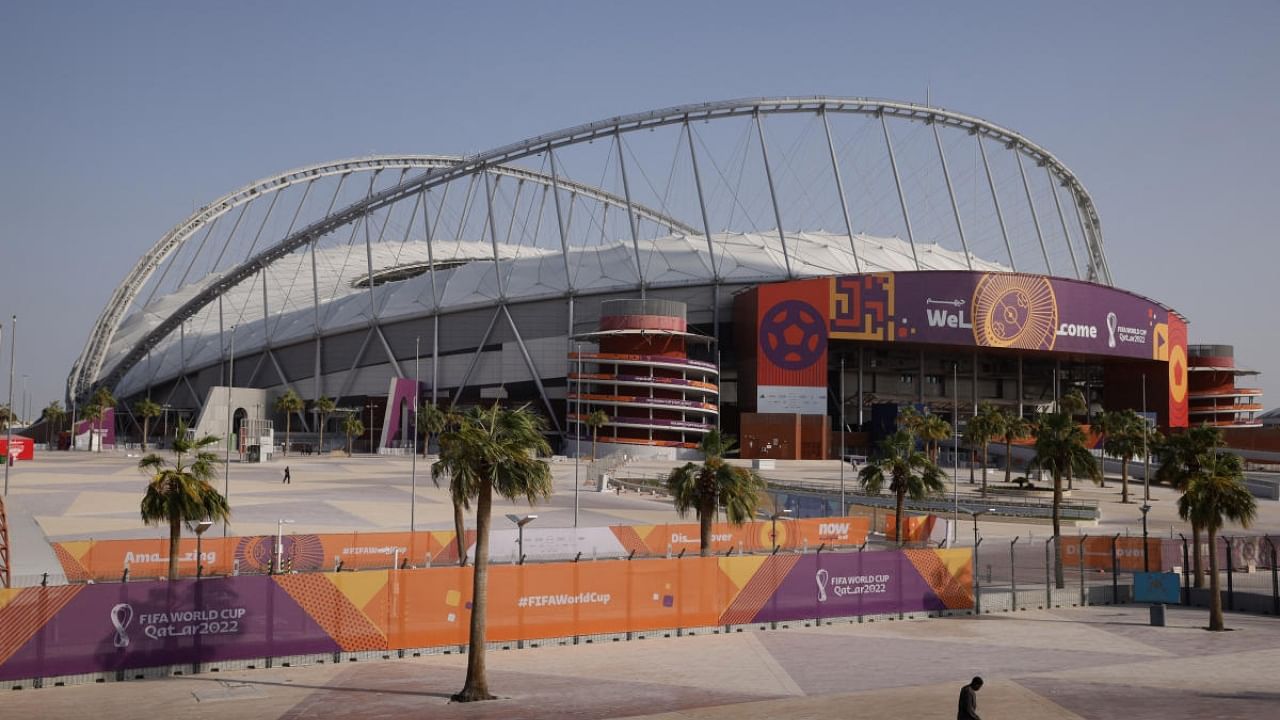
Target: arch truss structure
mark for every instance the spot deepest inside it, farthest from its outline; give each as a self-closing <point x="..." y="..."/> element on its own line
<point x="332" y="278"/>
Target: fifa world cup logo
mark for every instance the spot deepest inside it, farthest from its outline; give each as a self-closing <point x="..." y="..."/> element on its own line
<point x="121" y="616"/>
<point x="1111" y="329"/>
<point x="821" y="577"/>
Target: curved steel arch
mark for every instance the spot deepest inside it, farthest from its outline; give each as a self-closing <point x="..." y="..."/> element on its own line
<point x="491" y="160"/>
<point x="91" y="358"/>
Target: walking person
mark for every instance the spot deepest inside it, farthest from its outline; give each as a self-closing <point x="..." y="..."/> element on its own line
<point x="287" y="479"/>
<point x="969" y="700"/>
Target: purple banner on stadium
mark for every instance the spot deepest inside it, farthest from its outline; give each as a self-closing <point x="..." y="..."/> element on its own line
<point x="1008" y="310"/>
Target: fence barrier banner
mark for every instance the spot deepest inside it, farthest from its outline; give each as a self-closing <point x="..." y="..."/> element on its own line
<point x="1157" y="587"/>
<point x="254" y="554"/>
<point x="72" y="629"/>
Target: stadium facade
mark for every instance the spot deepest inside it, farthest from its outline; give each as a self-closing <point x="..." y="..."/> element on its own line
<point x="693" y="282"/>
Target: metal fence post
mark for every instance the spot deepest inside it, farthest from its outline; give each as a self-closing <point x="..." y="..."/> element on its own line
<point x="977" y="581"/>
<point x="1186" y="576"/>
<point x="1115" y="571"/>
<point x="1048" y="583"/>
<point x="1231" y="591"/>
<point x="1081" y="564"/>
<point x="1013" y="577"/>
<point x="1275" y="579"/>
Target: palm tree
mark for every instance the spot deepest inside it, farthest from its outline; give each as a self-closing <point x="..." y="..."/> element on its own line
<point x="102" y="401"/>
<point x="352" y="426"/>
<point x="93" y="412"/>
<point x="1124" y="434"/>
<point x="1012" y="427"/>
<point x="1060" y="447"/>
<point x="1072" y="403"/>
<point x="147" y="409"/>
<point x="1216" y="492"/>
<point x="53" y="415"/>
<point x="6" y="417"/>
<point x="985" y="426"/>
<point x="907" y="471"/>
<point x="491" y="450"/>
<point x="289" y="403"/>
<point x="181" y="492"/>
<point x="1180" y="458"/>
<point x="715" y="485"/>
<point x="432" y="421"/>
<point x="933" y="430"/>
<point x="594" y="422"/>
<point x="324" y="407"/>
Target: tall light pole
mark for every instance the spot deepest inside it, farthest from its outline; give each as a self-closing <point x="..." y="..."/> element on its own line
<point x="280" y="543"/>
<point x="773" y="532"/>
<point x="199" y="529"/>
<point x="1146" y="456"/>
<point x="955" y="447"/>
<point x="8" y="444"/>
<point x="520" y="522"/>
<point x="1146" y="556"/>
<point x="226" y="460"/>
<point x="413" y="466"/>
<point x="844" y="508"/>
<point x="26" y="413"/>
<point x="577" y="438"/>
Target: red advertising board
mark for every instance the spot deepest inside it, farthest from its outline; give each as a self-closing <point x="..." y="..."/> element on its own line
<point x="22" y="448"/>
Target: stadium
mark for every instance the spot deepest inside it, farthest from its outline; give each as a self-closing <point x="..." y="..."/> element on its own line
<point x="777" y="267"/>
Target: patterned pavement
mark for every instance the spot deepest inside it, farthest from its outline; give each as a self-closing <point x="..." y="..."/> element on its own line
<point x="1101" y="662"/>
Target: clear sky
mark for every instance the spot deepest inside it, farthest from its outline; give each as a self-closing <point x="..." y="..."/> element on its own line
<point x="117" y="119"/>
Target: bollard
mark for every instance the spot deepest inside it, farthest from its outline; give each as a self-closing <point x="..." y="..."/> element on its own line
<point x="977" y="581"/>
<point x="1231" y="591"/>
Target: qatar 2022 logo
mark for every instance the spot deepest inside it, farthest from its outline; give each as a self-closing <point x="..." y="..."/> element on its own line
<point x="793" y="335"/>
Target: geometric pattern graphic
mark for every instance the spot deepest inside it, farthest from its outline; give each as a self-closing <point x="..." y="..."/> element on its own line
<point x="862" y="307"/>
<point x="94" y="628"/>
<point x="1018" y="311"/>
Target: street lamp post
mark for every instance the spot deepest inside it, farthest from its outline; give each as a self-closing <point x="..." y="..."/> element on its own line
<point x="773" y="532"/>
<point x="577" y="438"/>
<point x="1146" y="556"/>
<point x="280" y="543"/>
<point x="199" y="530"/>
<point x="1146" y="456"/>
<point x="844" y="507"/>
<point x="955" y="450"/>
<point x="520" y="522"/>
<point x="226" y="460"/>
<point x="413" y="465"/>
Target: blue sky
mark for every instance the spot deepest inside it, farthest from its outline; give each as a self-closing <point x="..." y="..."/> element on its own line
<point x="117" y="119"/>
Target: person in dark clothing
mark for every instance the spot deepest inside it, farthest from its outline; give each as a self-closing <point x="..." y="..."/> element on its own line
<point x="287" y="480"/>
<point x="969" y="700"/>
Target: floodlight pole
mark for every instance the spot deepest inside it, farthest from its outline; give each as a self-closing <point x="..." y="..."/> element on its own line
<point x="844" y="508"/>
<point x="413" y="465"/>
<point x="955" y="445"/>
<point x="577" y="439"/>
<point x="1146" y="456"/>
<point x="226" y="461"/>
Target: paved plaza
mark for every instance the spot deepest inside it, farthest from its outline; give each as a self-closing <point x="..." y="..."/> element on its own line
<point x="1102" y="662"/>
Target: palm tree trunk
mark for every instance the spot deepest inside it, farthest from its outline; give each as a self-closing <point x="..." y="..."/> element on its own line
<point x="1008" y="459"/>
<point x="1124" y="479"/>
<point x="146" y="425"/>
<point x="594" y="432"/>
<point x="175" y="537"/>
<point x="1196" y="561"/>
<point x="477" y="684"/>
<point x="897" y="515"/>
<point x="1215" y="586"/>
<point x="320" y="445"/>
<point x="288" y="419"/>
<point x="1059" y="580"/>
<point x="460" y="533"/>
<point x="706" y="514"/>
<point x="971" y="479"/>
